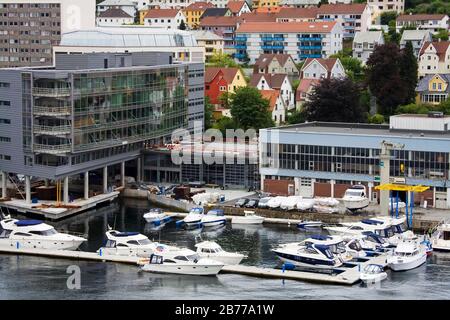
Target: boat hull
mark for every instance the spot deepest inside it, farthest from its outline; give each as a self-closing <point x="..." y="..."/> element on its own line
<point x="213" y="223"/>
<point x="373" y="278"/>
<point x="352" y="204"/>
<point x="195" y="270"/>
<point x="308" y="263"/>
<point x="42" y="244"/>
<point x="230" y="259"/>
<point x="246" y="220"/>
<point x="404" y="265"/>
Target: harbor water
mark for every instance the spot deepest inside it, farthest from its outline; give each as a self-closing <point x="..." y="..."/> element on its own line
<point x="29" y="277"/>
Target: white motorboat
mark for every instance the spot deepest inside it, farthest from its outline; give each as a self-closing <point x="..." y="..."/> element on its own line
<point x="305" y="204"/>
<point x="372" y="242"/>
<point x="355" y="198"/>
<point x="194" y="217"/>
<point x="276" y="202"/>
<point x="399" y="228"/>
<point x="186" y="264"/>
<point x="156" y="216"/>
<point x="440" y="240"/>
<point x="408" y="254"/>
<point x="309" y="255"/>
<point x="135" y="244"/>
<point x="213" y="217"/>
<point x="373" y="273"/>
<point x="309" y="225"/>
<point x="248" y="218"/>
<point x="35" y="234"/>
<point x="354" y="247"/>
<point x="290" y="202"/>
<point x="212" y="250"/>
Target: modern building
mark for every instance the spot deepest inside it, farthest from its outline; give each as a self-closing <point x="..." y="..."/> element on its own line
<point x="164" y="18"/>
<point x="278" y="81"/>
<point x="29" y="29"/>
<point x="380" y="6"/>
<point x="434" y="57"/>
<point x="194" y="11"/>
<point x="128" y="6"/>
<point x="210" y="41"/>
<point x="91" y="111"/>
<point x="417" y="39"/>
<point x="238" y="7"/>
<point x="324" y="159"/>
<point x="430" y="22"/>
<point x="219" y="81"/>
<point x="364" y="44"/>
<point x="277" y="105"/>
<point x="276" y="63"/>
<point x="301" y="40"/>
<point x="353" y="17"/>
<point x="433" y="89"/>
<point x="114" y="18"/>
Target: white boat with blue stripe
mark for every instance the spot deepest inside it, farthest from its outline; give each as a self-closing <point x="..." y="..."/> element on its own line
<point x="214" y="217"/>
<point x="157" y="216"/>
<point x="194" y="217"/>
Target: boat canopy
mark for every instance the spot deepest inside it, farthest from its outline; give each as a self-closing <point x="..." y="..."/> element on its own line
<point x="325" y="250"/>
<point x="125" y="234"/>
<point x="197" y="210"/>
<point x="25" y="223"/>
<point x="371" y="221"/>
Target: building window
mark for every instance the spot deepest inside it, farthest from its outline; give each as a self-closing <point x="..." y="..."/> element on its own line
<point x="5" y="139"/>
<point x="4" y="103"/>
<point x="4" y="85"/>
<point x="5" y="121"/>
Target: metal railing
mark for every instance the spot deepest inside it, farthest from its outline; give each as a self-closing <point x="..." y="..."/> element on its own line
<point x="52" y="149"/>
<point x="52" y="129"/>
<point x="52" y="110"/>
<point x="51" y="92"/>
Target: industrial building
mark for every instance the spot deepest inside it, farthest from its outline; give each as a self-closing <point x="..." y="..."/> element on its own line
<point x="324" y="159"/>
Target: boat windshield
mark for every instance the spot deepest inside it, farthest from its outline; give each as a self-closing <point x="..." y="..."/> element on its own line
<point x="375" y="238"/>
<point x="325" y="250"/>
<point x="372" y="269"/>
<point x="144" y="242"/>
<point x="193" y="257"/>
<point x="337" y="248"/>
<point x="401" y="228"/>
<point x="355" y="245"/>
<point x="385" y="233"/>
<point x="48" y="232"/>
<point x="354" y="193"/>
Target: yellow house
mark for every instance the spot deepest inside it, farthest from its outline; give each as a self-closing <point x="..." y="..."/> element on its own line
<point x="142" y="14"/>
<point x="194" y="11"/>
<point x="265" y="3"/>
<point x="433" y="89"/>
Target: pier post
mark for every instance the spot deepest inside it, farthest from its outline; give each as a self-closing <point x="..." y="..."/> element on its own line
<point x="122" y="174"/>
<point x="4" y="185"/>
<point x="139" y="170"/>
<point x="66" y="190"/>
<point x="105" y="179"/>
<point x="86" y="185"/>
<point x="27" y="190"/>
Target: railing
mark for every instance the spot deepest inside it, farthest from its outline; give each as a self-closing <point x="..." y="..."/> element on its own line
<point x="240" y="46"/>
<point x="51" y="92"/>
<point x="52" y="110"/>
<point x="310" y="39"/>
<point x="52" y="149"/>
<point x="52" y="129"/>
<point x="310" y="47"/>
<point x="239" y="55"/>
<point x="305" y="56"/>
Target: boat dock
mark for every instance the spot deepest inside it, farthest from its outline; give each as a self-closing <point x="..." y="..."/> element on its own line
<point x="348" y="277"/>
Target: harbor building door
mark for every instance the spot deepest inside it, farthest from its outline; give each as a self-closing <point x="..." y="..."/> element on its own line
<point x="306" y="188"/>
<point x="441" y="200"/>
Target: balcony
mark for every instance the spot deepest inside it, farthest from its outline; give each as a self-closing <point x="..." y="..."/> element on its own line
<point x="52" y="130"/>
<point x="51" y="92"/>
<point x="240" y="46"/>
<point x="265" y="38"/>
<point x="239" y="55"/>
<point x="240" y="38"/>
<point x="310" y="47"/>
<point x="310" y="39"/>
<point x="52" y="149"/>
<point x="306" y="56"/>
<point x="52" y="111"/>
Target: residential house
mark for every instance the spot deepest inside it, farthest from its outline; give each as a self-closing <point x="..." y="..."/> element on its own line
<point x="216" y="12"/>
<point x="219" y="3"/>
<point x="210" y="41"/>
<point x="301" y="40"/>
<point x="194" y="11"/>
<point x="364" y="44"/>
<point x="304" y="89"/>
<point x="126" y="5"/>
<point x="434" y="58"/>
<point x="417" y="39"/>
<point x="277" y="106"/>
<point x="168" y="4"/>
<point x="353" y="17"/>
<point x="265" y="3"/>
<point x="317" y="68"/>
<point x="164" y="18"/>
<point x="222" y="80"/>
<point x="299" y="3"/>
<point x="297" y="14"/>
<point x="224" y="27"/>
<point x="113" y="17"/>
<point x="276" y="63"/>
<point x="238" y="7"/>
<point x="380" y="6"/>
<point x="431" y="22"/>
<point x="433" y="89"/>
<point x="276" y="81"/>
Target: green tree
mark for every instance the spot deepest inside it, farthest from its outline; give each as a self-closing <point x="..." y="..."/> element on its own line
<point x="209" y="109"/>
<point x="225" y="123"/>
<point x="249" y="109"/>
<point x="353" y="67"/>
<point x="392" y="35"/>
<point x="387" y="17"/>
<point x="413" y="108"/>
<point x="427" y="6"/>
<point x="219" y="59"/>
<point x="182" y="25"/>
<point x="295" y="85"/>
<point x="441" y="35"/>
<point x="335" y="100"/>
<point x="376" y="119"/>
<point x="224" y="99"/>
<point x="295" y="116"/>
<point x="409" y="72"/>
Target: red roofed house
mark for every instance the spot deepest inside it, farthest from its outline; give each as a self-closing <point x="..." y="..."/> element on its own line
<point x="305" y="87"/>
<point x="276" y="63"/>
<point x="430" y="22"/>
<point x="113" y="17"/>
<point x="287" y="14"/>
<point x="238" y="7"/>
<point x="278" y="81"/>
<point x="222" y="80"/>
<point x="276" y="105"/>
<point x="164" y="18"/>
<point x="434" y="58"/>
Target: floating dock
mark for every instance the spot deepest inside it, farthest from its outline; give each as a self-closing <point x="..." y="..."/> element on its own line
<point x="347" y="277"/>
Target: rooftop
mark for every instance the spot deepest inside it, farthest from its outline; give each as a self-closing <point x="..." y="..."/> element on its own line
<point x="161" y="13"/>
<point x="328" y="64"/>
<point x="199" y="6"/>
<point x="205" y="35"/>
<point x="440" y="47"/>
<point x="414" y="34"/>
<point x="215" y="12"/>
<point x="114" y="13"/>
<point x="368" y="36"/>
<point x="265" y="59"/>
<point x="235" y="6"/>
<point x="340" y="8"/>
<point x="116" y="3"/>
<point x="420" y="17"/>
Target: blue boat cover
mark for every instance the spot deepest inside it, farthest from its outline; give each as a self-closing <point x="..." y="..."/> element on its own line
<point x="126" y="234"/>
<point x="372" y="222"/>
<point x="24" y="223"/>
<point x="320" y="237"/>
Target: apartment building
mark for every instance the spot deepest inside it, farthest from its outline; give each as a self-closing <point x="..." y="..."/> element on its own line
<point x="212" y="43"/>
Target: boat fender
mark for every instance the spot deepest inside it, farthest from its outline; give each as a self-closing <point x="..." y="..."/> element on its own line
<point x="100" y="252"/>
<point x="17" y="244"/>
<point x="288" y="266"/>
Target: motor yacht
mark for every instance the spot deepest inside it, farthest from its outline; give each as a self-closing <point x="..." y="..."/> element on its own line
<point x="194" y="217"/>
<point x="35" y="234"/>
<point x="399" y="228"/>
<point x="373" y="273"/>
<point x="212" y="250"/>
<point x="440" y="240"/>
<point x="309" y="225"/>
<point x="213" y="217"/>
<point x="355" y="198"/>
<point x="248" y="218"/>
<point x="408" y="254"/>
<point x="156" y="216"/>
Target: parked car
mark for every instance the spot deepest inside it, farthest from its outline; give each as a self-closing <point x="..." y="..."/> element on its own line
<point x="262" y="203"/>
<point x="252" y="203"/>
<point x="241" y="203"/>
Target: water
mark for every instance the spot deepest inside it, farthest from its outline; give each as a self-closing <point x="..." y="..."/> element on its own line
<point x="27" y="277"/>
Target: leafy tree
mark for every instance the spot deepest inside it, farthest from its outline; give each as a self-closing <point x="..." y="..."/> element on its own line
<point x="225" y="123"/>
<point x="219" y="59"/>
<point x="224" y="99"/>
<point x="387" y="17"/>
<point x="427" y="6"/>
<point x="384" y="79"/>
<point x="249" y="109"/>
<point x="182" y="25"/>
<point x="392" y="35"/>
<point x="408" y="72"/>
<point x="353" y="67"/>
<point x="295" y="85"/>
<point x="335" y="100"/>
<point x="413" y="108"/>
<point x="209" y="109"/>
<point x="295" y="116"/>
<point x="376" y="119"/>
<point x="441" y="35"/>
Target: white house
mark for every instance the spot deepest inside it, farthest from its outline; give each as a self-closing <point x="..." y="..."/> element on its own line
<point x="322" y="68"/>
<point x="238" y="7"/>
<point x="417" y="39"/>
<point x="167" y="4"/>
<point x="434" y="57"/>
<point x="277" y="81"/>
<point x="277" y="105"/>
<point x="431" y="22"/>
<point x="219" y="3"/>
<point x="364" y="44"/>
<point x="128" y="6"/>
<point x="299" y="3"/>
<point x="380" y="6"/>
<point x="113" y="18"/>
<point x="164" y="18"/>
